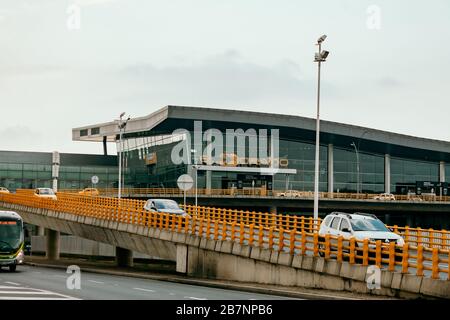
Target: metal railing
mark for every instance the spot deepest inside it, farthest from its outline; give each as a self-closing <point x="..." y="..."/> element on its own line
<point x="291" y="234"/>
<point x="260" y="192"/>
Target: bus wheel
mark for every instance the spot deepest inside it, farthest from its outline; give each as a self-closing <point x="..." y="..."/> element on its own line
<point x="12" y="268"/>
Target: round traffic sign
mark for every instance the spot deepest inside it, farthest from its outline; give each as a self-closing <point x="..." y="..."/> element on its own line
<point x="185" y="182"/>
<point x="94" y="179"/>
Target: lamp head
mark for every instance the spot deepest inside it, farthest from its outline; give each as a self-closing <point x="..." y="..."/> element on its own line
<point x="121" y="115"/>
<point x="321" y="39"/>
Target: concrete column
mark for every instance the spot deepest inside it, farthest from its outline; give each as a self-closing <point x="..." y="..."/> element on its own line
<point x="40" y="231"/>
<point x="330" y="169"/>
<point x="53" y="244"/>
<point x="55" y="170"/>
<point x="442" y="171"/>
<point x="124" y="257"/>
<point x="208" y="181"/>
<point x="273" y="209"/>
<point x="182" y="258"/>
<point x="387" y="173"/>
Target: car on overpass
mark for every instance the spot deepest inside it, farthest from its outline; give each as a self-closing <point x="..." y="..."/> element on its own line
<point x="46" y="193"/>
<point x="3" y="190"/>
<point x="89" y="192"/>
<point x="164" y="206"/>
<point x="290" y="194"/>
<point x="360" y="226"/>
<point x="384" y="197"/>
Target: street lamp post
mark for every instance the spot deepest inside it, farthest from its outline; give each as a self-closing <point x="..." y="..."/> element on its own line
<point x="319" y="57"/>
<point x="195" y="167"/>
<point x="122" y="125"/>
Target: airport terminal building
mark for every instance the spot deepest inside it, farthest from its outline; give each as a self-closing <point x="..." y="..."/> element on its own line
<point x="352" y="159"/>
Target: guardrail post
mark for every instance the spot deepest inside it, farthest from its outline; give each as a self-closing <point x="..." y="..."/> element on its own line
<point x="405" y="257"/>
<point x="280" y="239"/>
<point x="241" y="233"/>
<point x="419" y="261"/>
<point x="378" y="253"/>
<point x="365" y="252"/>
<point x="303" y="242"/>
<point x="327" y="246"/>
<point x="352" y="250"/>
<point x="233" y="231"/>
<point x="224" y="230"/>
<point x="339" y="249"/>
<point x="292" y="240"/>
<point x="316" y="244"/>
<point x="435" y="264"/>
<point x="261" y="236"/>
<point x="392" y="256"/>
<point x="216" y="230"/>
<point x="251" y="235"/>
<point x="271" y="238"/>
<point x="208" y="228"/>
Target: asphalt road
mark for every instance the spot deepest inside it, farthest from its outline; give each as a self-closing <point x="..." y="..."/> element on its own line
<point x="37" y="283"/>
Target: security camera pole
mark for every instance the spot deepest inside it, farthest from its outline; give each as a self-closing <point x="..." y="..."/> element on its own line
<point x="320" y="57"/>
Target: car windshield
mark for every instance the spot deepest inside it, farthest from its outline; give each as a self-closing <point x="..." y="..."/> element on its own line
<point x="368" y="225"/>
<point x="46" y="191"/>
<point x="166" y="205"/>
<point x="10" y="235"/>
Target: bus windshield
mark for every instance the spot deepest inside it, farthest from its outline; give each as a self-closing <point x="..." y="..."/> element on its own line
<point x="10" y="235"/>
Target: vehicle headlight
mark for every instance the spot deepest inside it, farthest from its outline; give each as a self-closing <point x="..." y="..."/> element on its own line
<point x="400" y="242"/>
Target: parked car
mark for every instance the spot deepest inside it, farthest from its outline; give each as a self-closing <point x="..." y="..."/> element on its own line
<point x="89" y="192"/>
<point x="384" y="196"/>
<point x="359" y="225"/>
<point x="164" y="205"/>
<point x="3" y="190"/>
<point x="45" y="193"/>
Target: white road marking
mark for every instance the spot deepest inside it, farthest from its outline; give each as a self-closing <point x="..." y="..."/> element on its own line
<point x="34" y="298"/>
<point x="171" y="294"/>
<point x="147" y="290"/>
<point x="98" y="282"/>
<point x="31" y="291"/>
<point x="13" y="283"/>
<point x="195" y="298"/>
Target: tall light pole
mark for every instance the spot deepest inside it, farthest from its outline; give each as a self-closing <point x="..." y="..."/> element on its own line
<point x="319" y="57"/>
<point x="357" y="167"/>
<point x="122" y="125"/>
<point x="195" y="167"/>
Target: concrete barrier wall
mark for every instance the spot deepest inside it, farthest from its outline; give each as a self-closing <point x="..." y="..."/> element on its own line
<point x="79" y="246"/>
<point x="216" y="259"/>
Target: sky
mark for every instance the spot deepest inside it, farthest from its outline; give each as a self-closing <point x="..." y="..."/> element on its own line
<point x="70" y="63"/>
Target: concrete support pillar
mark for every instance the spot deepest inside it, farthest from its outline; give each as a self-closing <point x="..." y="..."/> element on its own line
<point x="442" y="171"/>
<point x="208" y="181"/>
<point x="40" y="231"/>
<point x="330" y="169"/>
<point x="124" y="257"/>
<point x="387" y="173"/>
<point x="273" y="209"/>
<point x="53" y="244"/>
<point x="182" y="258"/>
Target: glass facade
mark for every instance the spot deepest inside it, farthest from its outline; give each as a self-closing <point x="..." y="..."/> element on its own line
<point x="371" y="172"/>
<point x="28" y="170"/>
<point x="447" y="172"/>
<point x="406" y="173"/>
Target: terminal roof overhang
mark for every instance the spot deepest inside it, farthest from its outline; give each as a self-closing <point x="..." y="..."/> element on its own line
<point x="169" y="118"/>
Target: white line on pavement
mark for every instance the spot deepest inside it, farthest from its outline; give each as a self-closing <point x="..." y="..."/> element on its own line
<point x="195" y="298"/>
<point x="147" y="290"/>
<point x="13" y="283"/>
<point x="93" y="281"/>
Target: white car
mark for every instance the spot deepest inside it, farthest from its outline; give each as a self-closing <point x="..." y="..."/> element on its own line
<point x="47" y="193"/>
<point x="164" y="205"/>
<point x="359" y="225"/>
<point x="384" y="196"/>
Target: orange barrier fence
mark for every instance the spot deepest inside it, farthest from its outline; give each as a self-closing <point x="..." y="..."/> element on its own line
<point x="407" y="258"/>
<point x="429" y="238"/>
<point x="261" y="192"/>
